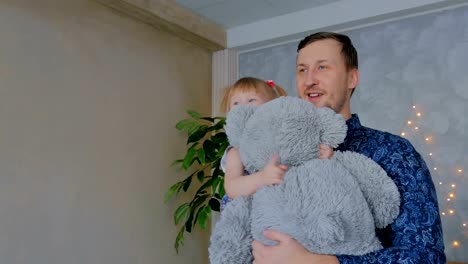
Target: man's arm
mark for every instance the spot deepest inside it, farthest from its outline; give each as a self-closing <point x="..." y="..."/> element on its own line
<point x="416" y="234"/>
<point x="414" y="237"/>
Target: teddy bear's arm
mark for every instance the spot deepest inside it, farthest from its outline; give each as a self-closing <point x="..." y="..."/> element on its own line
<point x="378" y="188"/>
<point x="231" y="239"/>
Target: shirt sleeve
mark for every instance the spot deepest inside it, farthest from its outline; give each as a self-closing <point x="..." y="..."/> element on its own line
<point x="416" y="234"/>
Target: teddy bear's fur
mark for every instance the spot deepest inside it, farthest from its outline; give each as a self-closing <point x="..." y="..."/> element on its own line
<point x="330" y="206"/>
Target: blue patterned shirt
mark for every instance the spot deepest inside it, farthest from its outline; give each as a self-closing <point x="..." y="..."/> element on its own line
<point x="416" y="234"/>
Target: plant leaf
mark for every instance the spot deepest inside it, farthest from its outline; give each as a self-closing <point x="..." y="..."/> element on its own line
<point x="182" y="213"/>
<point x="179" y="161"/>
<point x="219" y="125"/>
<point x="200" y="176"/>
<point x="201" y="156"/>
<point x="194" y="114"/>
<point x="210" y="119"/>
<point x="210" y="149"/>
<point x="172" y="190"/>
<point x="188" y="125"/>
<point x="189" y="223"/>
<point x="198" y="134"/>
<point x="207" y="184"/>
<point x="187" y="183"/>
<point x="199" y="200"/>
<point x="214" y="185"/>
<point x="214" y="204"/>
<point x="189" y="158"/>
<point x="179" y="240"/>
<point x="220" y="137"/>
<point x="203" y="216"/>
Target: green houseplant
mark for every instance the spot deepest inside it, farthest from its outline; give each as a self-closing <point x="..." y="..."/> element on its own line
<point x="206" y="143"/>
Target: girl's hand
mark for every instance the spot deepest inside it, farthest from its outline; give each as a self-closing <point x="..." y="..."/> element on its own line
<point x="273" y="173"/>
<point x="325" y="151"/>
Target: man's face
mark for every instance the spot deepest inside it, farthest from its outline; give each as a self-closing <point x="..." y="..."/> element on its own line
<point x="322" y="77"/>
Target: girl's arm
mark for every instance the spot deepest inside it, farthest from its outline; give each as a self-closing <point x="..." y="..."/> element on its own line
<point x="236" y="184"/>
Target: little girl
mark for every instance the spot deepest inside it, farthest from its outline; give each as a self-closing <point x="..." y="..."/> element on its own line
<point x="248" y="91"/>
<point x="252" y="91"/>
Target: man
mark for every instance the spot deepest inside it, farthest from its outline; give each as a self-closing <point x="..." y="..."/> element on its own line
<point x="327" y="74"/>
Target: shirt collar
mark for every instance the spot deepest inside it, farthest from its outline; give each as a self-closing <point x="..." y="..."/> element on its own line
<point x="353" y="122"/>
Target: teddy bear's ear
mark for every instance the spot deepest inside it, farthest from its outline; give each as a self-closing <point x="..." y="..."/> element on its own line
<point x="333" y="127"/>
<point x="235" y="122"/>
<point x="378" y="188"/>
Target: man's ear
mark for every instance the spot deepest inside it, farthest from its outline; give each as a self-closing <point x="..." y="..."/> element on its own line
<point x="353" y="78"/>
<point x="235" y="122"/>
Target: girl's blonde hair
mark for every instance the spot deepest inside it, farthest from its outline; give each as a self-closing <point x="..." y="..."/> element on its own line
<point x="251" y="84"/>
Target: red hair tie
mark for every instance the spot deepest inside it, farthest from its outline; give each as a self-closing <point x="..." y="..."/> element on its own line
<point x="271" y="83"/>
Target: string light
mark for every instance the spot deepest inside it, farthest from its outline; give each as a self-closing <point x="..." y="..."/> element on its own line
<point x="414" y="129"/>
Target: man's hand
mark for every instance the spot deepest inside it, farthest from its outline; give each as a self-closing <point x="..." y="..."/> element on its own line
<point x="288" y="251"/>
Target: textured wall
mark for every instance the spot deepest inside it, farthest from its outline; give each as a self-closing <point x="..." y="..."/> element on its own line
<point x="88" y="103"/>
<point x="420" y="61"/>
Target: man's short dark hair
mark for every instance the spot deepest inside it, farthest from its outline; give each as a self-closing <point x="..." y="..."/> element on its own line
<point x="347" y="50"/>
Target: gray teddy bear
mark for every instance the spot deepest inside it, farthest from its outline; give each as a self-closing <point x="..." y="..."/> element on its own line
<point x="330" y="206"/>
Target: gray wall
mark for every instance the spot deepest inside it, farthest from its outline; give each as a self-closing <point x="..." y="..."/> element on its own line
<point x="88" y="103"/>
<point x="421" y="61"/>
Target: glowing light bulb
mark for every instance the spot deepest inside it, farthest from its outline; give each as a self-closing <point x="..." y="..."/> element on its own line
<point x="440" y="183"/>
<point x="414" y="107"/>
<point x="443" y="213"/>
<point x="435" y="168"/>
<point x="416" y="128"/>
<point x="460" y="170"/>
<point x="430" y="154"/>
<point x="451" y="195"/>
<point x="428" y="138"/>
<point x="419" y="114"/>
<point x="464" y="224"/>
<point x="453" y="186"/>
<point x="403" y="134"/>
<point x="448" y="199"/>
<point x="456" y="243"/>
<point x="451" y="211"/>
<point x="409" y="122"/>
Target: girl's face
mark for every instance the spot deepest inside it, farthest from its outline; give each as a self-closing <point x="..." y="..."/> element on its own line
<point x="247" y="98"/>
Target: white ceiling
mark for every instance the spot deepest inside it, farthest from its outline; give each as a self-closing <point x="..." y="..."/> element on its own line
<point x="233" y="13"/>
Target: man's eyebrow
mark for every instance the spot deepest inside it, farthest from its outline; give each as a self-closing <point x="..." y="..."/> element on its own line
<point x="316" y="62"/>
<point x="323" y="60"/>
